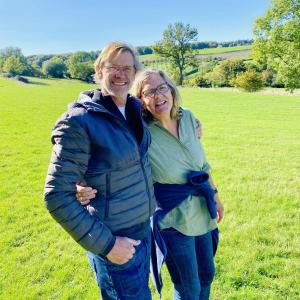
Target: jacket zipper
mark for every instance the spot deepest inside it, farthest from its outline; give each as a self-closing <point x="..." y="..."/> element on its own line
<point x="118" y="120"/>
<point x="142" y="165"/>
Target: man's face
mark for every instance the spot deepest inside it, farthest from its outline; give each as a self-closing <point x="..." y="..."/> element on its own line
<point x="117" y="75"/>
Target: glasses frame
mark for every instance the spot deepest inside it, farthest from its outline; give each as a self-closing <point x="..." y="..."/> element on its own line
<point x="150" y="93"/>
<point x="113" y="69"/>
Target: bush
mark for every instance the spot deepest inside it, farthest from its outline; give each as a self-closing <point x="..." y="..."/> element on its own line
<point x="7" y="75"/>
<point x="21" y="78"/>
<point x="198" y="81"/>
<point x="267" y="77"/>
<point x="216" y="78"/>
<point x="229" y="69"/>
<point x="249" y="81"/>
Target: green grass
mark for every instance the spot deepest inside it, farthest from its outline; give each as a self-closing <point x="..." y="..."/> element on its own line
<point x="222" y="50"/>
<point x="146" y="57"/>
<point x="252" y="142"/>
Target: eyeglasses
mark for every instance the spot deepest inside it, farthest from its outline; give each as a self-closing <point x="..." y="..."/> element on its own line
<point x="114" y="69"/>
<point x="161" y="89"/>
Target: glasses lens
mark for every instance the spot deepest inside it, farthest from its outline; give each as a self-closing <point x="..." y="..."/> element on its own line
<point x="115" y="69"/>
<point x="148" y="93"/>
<point x="163" y="88"/>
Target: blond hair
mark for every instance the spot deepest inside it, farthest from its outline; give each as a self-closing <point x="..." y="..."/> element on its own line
<point x="111" y="50"/>
<point x="142" y="78"/>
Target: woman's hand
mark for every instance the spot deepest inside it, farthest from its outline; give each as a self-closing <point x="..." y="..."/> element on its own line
<point x="84" y="193"/>
<point x="220" y="209"/>
<point x="199" y="130"/>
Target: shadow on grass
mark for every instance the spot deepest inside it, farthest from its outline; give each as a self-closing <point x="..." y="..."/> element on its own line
<point x="36" y="82"/>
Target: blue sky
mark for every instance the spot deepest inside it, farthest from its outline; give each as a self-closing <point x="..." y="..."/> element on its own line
<point x="52" y="26"/>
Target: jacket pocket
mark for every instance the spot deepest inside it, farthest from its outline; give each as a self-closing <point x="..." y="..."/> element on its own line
<point x="106" y="207"/>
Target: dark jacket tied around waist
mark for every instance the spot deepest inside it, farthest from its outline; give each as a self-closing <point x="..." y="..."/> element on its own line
<point x="169" y="196"/>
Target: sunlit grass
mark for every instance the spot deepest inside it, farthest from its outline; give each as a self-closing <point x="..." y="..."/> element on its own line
<point x="252" y="142"/>
<point x="202" y="51"/>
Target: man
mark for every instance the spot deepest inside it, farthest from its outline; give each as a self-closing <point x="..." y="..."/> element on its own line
<point x="103" y="141"/>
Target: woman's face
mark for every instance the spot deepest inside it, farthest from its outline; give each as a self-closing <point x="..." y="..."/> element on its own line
<point x="157" y="97"/>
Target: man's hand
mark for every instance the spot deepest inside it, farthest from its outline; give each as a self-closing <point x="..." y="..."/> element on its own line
<point x="123" y="250"/>
<point x="84" y="193"/>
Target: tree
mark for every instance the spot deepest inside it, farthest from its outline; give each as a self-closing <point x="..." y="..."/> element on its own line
<point x="176" y="45"/>
<point x="277" y="42"/>
<point x="80" y="66"/>
<point x="14" y="65"/>
<point x="54" y="67"/>
<point x="8" y="52"/>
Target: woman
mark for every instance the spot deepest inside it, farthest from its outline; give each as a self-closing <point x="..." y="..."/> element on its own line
<point x="174" y="152"/>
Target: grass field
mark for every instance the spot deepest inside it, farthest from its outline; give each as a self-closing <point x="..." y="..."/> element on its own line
<point x="203" y="51"/>
<point x="222" y="50"/>
<point x="252" y="142"/>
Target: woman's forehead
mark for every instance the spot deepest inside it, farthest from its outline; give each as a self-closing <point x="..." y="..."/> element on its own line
<point x="154" y="80"/>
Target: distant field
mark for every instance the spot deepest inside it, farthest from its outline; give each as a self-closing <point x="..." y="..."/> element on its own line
<point x="209" y="51"/>
<point x="252" y="142"/>
<point x="222" y="50"/>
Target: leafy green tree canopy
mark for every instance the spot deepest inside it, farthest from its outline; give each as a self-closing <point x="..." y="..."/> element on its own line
<point x="80" y="66"/>
<point x="277" y="42"/>
<point x="14" y="65"/>
<point x="8" y="52"/>
<point x="176" y="44"/>
<point x="54" y="67"/>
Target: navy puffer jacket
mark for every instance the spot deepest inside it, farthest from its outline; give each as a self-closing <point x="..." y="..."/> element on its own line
<point x="92" y="144"/>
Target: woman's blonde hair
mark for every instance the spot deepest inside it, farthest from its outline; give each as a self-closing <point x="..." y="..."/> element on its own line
<point x="144" y="75"/>
<point x="111" y="50"/>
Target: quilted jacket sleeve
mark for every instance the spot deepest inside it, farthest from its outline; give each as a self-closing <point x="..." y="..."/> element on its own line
<point x="69" y="161"/>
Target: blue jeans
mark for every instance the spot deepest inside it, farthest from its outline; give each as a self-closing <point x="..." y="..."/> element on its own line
<point x="124" y="282"/>
<point x="190" y="263"/>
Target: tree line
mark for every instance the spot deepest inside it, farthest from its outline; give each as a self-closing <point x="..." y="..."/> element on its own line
<point x="78" y="65"/>
<point x="142" y="50"/>
<point x="275" y="60"/>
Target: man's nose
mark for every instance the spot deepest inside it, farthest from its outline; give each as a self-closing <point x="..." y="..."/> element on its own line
<point x="120" y="72"/>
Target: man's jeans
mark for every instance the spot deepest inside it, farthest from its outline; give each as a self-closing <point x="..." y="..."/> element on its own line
<point x="124" y="282"/>
<point x="190" y="263"/>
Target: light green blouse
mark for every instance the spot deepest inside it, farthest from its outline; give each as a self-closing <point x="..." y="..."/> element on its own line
<point x="171" y="160"/>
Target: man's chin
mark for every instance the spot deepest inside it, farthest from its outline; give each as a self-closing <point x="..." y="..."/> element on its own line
<point x="119" y="95"/>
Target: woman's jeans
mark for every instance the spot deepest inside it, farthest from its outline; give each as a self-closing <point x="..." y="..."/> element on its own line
<point x="190" y="263"/>
<point x="124" y="282"/>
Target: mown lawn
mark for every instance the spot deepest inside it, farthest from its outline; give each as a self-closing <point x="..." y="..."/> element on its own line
<point x="252" y="142"/>
<point x="203" y="51"/>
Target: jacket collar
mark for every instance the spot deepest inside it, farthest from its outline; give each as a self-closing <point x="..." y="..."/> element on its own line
<point x="94" y="100"/>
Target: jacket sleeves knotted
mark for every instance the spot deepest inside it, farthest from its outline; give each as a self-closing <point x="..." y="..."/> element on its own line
<point x="69" y="162"/>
